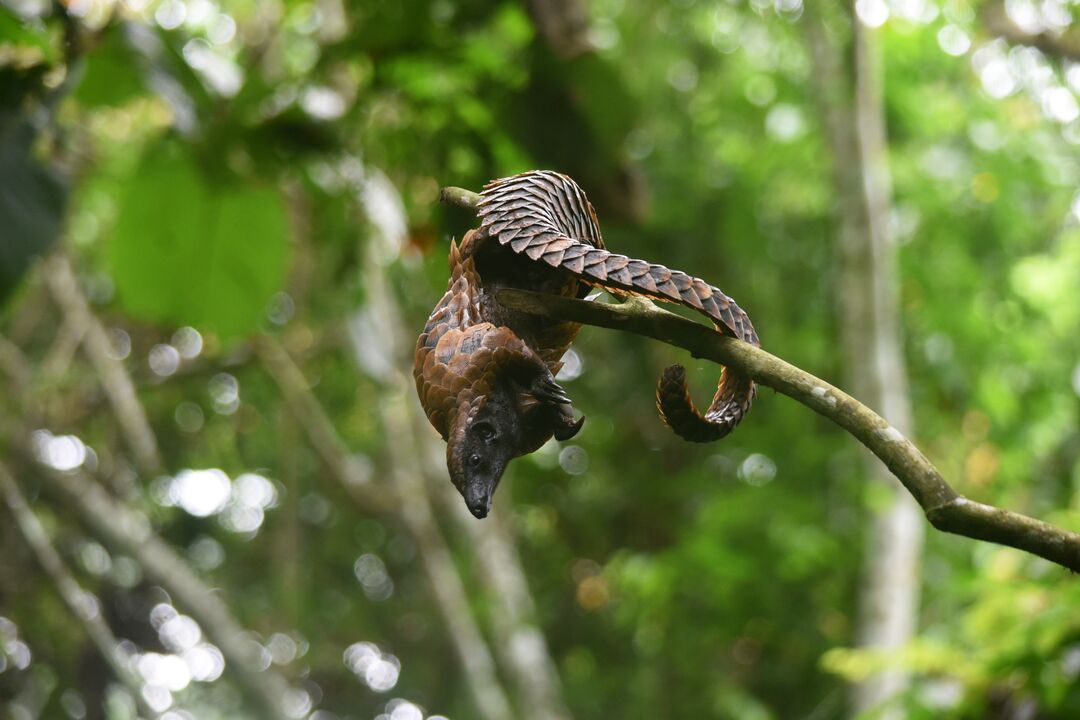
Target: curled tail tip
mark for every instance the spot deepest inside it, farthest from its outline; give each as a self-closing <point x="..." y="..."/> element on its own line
<point x="678" y="412"/>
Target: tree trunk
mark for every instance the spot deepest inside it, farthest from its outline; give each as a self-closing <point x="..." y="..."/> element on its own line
<point x="867" y="290"/>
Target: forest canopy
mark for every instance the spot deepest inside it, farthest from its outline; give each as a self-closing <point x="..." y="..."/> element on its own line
<point x="220" y="235"/>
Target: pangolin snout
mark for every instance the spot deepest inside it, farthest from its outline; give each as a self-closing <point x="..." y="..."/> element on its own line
<point x="479" y="502"/>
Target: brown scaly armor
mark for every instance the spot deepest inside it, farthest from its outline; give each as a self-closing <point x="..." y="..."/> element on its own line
<point x="485" y="373"/>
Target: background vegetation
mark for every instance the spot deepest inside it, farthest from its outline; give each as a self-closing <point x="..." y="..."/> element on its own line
<point x="219" y="236"/>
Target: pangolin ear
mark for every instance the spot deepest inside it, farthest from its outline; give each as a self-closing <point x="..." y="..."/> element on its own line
<point x="527" y="402"/>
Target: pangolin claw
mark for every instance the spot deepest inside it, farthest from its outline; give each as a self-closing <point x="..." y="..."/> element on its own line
<point x="569" y="431"/>
<point x="548" y="390"/>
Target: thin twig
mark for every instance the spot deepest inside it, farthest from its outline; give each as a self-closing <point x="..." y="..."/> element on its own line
<point x="114" y="377"/>
<point x="14" y="364"/>
<point x="58" y="357"/>
<point x="460" y="197"/>
<point x="81" y="603"/>
<point x="945" y="508"/>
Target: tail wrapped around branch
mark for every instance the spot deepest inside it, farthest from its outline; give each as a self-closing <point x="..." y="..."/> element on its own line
<point x="546" y="216"/>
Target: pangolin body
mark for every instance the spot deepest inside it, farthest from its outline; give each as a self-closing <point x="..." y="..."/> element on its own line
<point x="485" y="374"/>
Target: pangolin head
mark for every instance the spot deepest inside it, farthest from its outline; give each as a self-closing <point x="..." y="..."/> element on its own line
<point x="484" y="437"/>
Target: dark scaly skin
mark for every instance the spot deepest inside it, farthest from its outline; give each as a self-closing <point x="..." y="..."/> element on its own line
<point x="485" y="373"/>
<point x="546" y="216"/>
<point x="460" y="352"/>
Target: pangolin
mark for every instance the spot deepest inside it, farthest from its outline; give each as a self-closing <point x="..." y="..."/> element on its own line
<point x="485" y="373"/>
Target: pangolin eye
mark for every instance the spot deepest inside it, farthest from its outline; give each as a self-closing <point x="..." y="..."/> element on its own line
<point x="474" y="460"/>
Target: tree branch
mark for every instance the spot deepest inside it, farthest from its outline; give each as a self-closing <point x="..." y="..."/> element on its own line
<point x="1064" y="46"/>
<point x="82" y="604"/>
<point x="14" y="364"/>
<point x="459" y="196"/>
<point x="946" y="509"/>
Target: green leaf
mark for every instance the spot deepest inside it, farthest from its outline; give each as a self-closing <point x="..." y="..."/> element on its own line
<point x="190" y="249"/>
<point x="113" y="76"/>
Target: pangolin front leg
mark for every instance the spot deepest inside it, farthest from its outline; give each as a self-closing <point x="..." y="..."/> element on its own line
<point x="546" y="216"/>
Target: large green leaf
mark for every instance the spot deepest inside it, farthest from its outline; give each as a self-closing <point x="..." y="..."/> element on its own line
<point x="191" y="249"/>
<point x="112" y="75"/>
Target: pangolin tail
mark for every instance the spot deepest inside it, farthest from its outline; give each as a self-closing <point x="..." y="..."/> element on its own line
<point x="546" y="216"/>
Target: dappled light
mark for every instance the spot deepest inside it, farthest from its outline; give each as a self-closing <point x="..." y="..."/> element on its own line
<point x="378" y="670"/>
<point x="224" y="225"/>
<point x="239" y="504"/>
<point x="63" y="452"/>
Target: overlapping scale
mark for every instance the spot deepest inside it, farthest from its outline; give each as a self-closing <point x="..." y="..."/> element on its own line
<point x="546" y="216"/>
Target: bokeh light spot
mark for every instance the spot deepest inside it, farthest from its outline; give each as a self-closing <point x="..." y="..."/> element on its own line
<point x="201" y="492"/>
<point x="164" y="360"/>
<point x="757" y="470"/>
<point x="574" y="460"/>
<point x="872" y="13"/>
<point x="62" y="452"/>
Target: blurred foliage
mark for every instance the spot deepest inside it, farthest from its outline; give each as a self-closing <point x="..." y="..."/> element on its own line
<point x="218" y="153"/>
<point x="196" y="250"/>
<point x="32" y="201"/>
